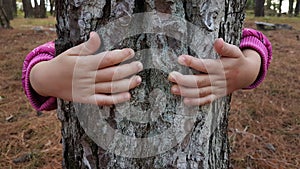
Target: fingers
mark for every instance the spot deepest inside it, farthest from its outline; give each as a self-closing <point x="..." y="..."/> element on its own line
<point x="190" y="80"/>
<point x="114" y="57"/>
<point x="87" y="48"/>
<point x="200" y="101"/>
<point x="106" y="100"/>
<point x="227" y="50"/>
<point x="191" y="92"/>
<point x="118" y="72"/>
<point x="210" y="66"/>
<point x="120" y="86"/>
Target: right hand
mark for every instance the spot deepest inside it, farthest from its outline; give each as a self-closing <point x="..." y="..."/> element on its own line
<point x="80" y="76"/>
<point x="234" y="70"/>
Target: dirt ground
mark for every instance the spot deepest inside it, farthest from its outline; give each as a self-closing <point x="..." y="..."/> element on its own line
<point x="264" y="124"/>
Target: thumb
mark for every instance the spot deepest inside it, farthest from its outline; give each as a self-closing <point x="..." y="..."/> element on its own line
<point x="87" y="48"/>
<point x="227" y="50"/>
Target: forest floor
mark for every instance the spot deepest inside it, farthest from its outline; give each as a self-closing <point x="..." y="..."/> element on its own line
<point x="264" y="123"/>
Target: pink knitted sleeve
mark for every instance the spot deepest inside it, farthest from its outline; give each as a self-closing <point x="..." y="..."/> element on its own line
<point x="253" y="39"/>
<point x="42" y="53"/>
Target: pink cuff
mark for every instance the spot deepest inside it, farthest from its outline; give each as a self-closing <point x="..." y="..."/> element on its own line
<point x="255" y="40"/>
<point x="42" y="53"/>
<point x="37" y="101"/>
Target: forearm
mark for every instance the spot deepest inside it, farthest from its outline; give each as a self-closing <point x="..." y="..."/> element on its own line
<point x="253" y="60"/>
<point x="40" y="79"/>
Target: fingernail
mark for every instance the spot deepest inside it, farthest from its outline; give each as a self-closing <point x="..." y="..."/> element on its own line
<point x="181" y="60"/>
<point x="140" y="66"/>
<point x="130" y="52"/>
<point x="175" y="89"/>
<point x="173" y="75"/>
<point x="127" y="96"/>
<point x="187" y="101"/>
<point x="138" y="79"/>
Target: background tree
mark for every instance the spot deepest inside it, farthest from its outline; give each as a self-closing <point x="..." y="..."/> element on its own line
<point x="269" y="4"/>
<point x="28" y="9"/>
<point x="14" y="6"/>
<point x="7" y="5"/>
<point x="297" y="8"/>
<point x="52" y="5"/>
<point x="38" y="11"/>
<point x="4" y="21"/>
<point x="206" y="145"/>
<point x="259" y="8"/>
<point x="250" y="5"/>
<point x="291" y="7"/>
<point x="279" y="8"/>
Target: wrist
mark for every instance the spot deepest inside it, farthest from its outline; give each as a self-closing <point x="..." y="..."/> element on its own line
<point x="39" y="79"/>
<point x="254" y="65"/>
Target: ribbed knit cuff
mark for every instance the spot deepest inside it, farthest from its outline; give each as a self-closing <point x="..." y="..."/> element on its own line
<point x="37" y="101"/>
<point x="251" y="42"/>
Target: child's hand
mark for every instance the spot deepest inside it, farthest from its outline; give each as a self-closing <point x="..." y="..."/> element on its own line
<point x="235" y="69"/>
<point x="78" y="75"/>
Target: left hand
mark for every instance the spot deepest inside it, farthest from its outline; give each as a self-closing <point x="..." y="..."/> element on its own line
<point x="234" y="70"/>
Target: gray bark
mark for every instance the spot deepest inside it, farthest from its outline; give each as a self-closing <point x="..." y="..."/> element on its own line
<point x="128" y="135"/>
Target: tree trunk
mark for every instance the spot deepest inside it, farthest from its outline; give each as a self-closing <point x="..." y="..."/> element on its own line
<point x="28" y="9"/>
<point x="279" y="8"/>
<point x="4" y="21"/>
<point x="52" y="3"/>
<point x="297" y="8"/>
<point x="291" y="7"/>
<point x="8" y="7"/>
<point x="14" y="6"/>
<point x="39" y="9"/>
<point x="155" y="129"/>
<point x="259" y="8"/>
<point x="250" y="5"/>
<point x="269" y="4"/>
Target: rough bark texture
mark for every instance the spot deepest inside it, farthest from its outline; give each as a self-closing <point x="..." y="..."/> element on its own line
<point x="205" y="143"/>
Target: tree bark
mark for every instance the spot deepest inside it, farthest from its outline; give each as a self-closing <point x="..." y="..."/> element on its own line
<point x="291" y="7"/>
<point x="269" y="4"/>
<point x="4" y="21"/>
<point x="279" y="8"/>
<point x="52" y="4"/>
<point x="14" y="6"/>
<point x="259" y="8"/>
<point x="28" y="9"/>
<point x="39" y="9"/>
<point x="297" y="8"/>
<point x="129" y="135"/>
<point x="8" y="7"/>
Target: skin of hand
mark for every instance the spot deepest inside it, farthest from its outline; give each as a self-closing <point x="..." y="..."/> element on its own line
<point x="79" y="75"/>
<point x="234" y="70"/>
